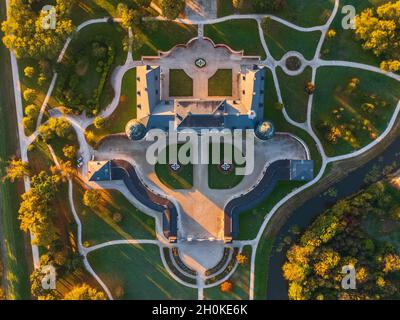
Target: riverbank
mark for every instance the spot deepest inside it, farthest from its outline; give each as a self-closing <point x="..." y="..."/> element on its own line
<point x="346" y="178"/>
<point x="15" y="257"/>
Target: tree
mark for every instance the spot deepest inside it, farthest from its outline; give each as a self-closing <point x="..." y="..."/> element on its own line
<point x="84" y="292"/>
<point x="99" y="122"/>
<point x="392" y="263"/>
<point x="37" y="289"/>
<point x="172" y="8"/>
<point x="69" y="151"/>
<point x="241" y="259"/>
<point x="91" y="198"/>
<point x="25" y="35"/>
<point x="226" y="287"/>
<point x="29" y="94"/>
<point x="127" y="15"/>
<point x="35" y="213"/>
<point x="16" y="169"/>
<point x="310" y="88"/>
<point x="29" y="72"/>
<point x="238" y="4"/>
<point x="56" y="127"/>
<point x="379" y="31"/>
<point x="32" y="111"/>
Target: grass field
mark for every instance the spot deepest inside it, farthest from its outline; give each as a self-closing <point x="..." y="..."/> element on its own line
<point x="261" y="267"/>
<point x="220" y="84"/>
<point x="217" y="179"/>
<point x="251" y="220"/>
<point x="295" y="98"/>
<point x="237" y="34"/>
<point x="99" y="225"/>
<point x="336" y="105"/>
<point x="164" y="37"/>
<point x="139" y="272"/>
<point x="271" y="112"/>
<point x="240" y="280"/>
<point x="180" y="84"/>
<point x="305" y="13"/>
<point x="282" y="39"/>
<point x="182" y="179"/>
<point x="125" y="111"/>
<point x="12" y="250"/>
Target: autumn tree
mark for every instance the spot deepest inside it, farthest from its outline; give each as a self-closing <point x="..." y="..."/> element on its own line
<point x="35" y="212"/>
<point x="91" y="198"/>
<point x="29" y="72"/>
<point x="379" y="31"/>
<point x="54" y="127"/>
<point x="84" y="292"/>
<point x="16" y="169"/>
<point x="70" y="151"/>
<point x="99" y="122"/>
<point x="241" y="259"/>
<point x="226" y="286"/>
<point x="24" y="32"/>
<point x="238" y="4"/>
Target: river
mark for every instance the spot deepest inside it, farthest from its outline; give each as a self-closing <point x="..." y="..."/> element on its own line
<point x="306" y="214"/>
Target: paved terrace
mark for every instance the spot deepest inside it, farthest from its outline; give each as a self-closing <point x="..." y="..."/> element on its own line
<point x="201" y="209"/>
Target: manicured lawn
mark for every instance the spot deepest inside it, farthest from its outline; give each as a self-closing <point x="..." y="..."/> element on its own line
<point x="295" y="98"/>
<point x="237" y="34"/>
<point x="345" y="45"/>
<point x="217" y="179"/>
<point x="251" y="220"/>
<point x="261" y="267"/>
<point x="139" y="272"/>
<point x="180" y="84"/>
<point x="164" y="37"/>
<point x="282" y="39"/>
<point x="81" y="83"/>
<point x="125" y="111"/>
<point x="98" y="224"/>
<point x="220" y="84"/>
<point x="91" y="9"/>
<point x="271" y="112"/>
<point x="305" y="13"/>
<point x="182" y="179"/>
<point x="15" y="277"/>
<point x="336" y="105"/>
<point x="240" y="280"/>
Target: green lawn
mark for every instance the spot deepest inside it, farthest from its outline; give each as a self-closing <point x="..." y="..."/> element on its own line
<point x="220" y="84"/>
<point x="282" y="39"/>
<point x="261" y="266"/>
<point x="180" y="84"/>
<point x="251" y="220"/>
<point x="305" y="13"/>
<point x="139" y="272"/>
<point x="125" y="111"/>
<point x="237" y="34"/>
<point x="164" y="37"/>
<point x="182" y="179"/>
<point x="345" y="46"/>
<point x="217" y="179"/>
<point x="240" y="280"/>
<point x="335" y="105"/>
<point x="15" y="278"/>
<point x="99" y="226"/>
<point x="272" y="113"/>
<point x="295" y="98"/>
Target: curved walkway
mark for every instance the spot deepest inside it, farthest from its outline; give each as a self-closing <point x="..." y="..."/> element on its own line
<point x="82" y="122"/>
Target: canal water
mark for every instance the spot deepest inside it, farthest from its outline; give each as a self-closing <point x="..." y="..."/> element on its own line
<point x="307" y="213"/>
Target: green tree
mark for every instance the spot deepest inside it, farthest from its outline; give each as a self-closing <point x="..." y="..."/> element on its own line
<point x="172" y="8"/>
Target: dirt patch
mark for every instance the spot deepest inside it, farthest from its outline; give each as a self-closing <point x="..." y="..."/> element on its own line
<point x="293" y="63"/>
